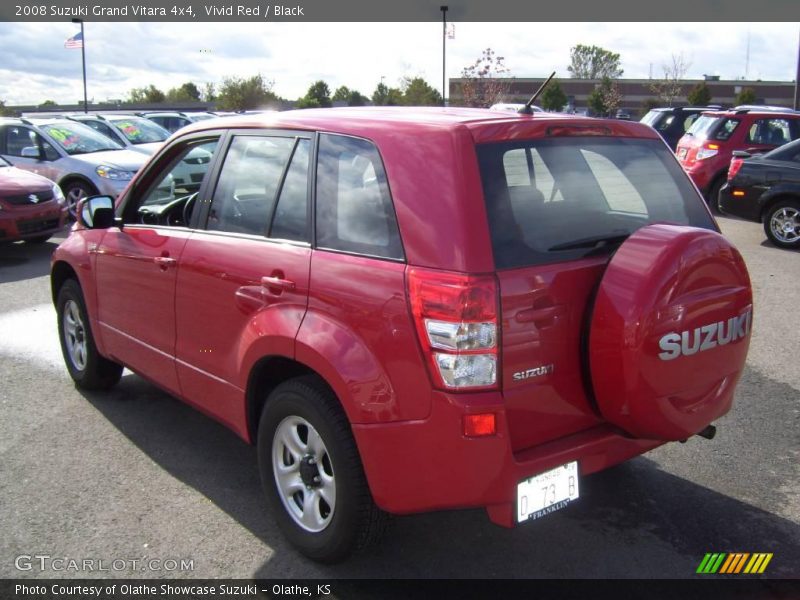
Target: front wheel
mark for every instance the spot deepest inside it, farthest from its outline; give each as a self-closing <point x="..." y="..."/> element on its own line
<point x="312" y="474"/>
<point x="88" y="369"/>
<point x="74" y="192"/>
<point x="782" y="224"/>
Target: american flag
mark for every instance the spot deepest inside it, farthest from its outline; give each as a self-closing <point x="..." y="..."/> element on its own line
<point x="76" y="41"/>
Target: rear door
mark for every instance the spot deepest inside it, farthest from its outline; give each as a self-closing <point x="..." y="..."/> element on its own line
<point x="243" y="282"/>
<point x="558" y="207"/>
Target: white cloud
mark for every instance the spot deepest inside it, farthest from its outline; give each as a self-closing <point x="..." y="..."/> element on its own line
<point x="121" y="56"/>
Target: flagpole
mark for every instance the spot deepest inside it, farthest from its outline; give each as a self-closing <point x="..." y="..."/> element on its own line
<point x="83" y="61"/>
<point x="444" y="40"/>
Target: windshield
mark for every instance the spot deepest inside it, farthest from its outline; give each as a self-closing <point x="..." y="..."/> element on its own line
<point x="76" y="138"/>
<point x="140" y="131"/>
<point x="565" y="198"/>
<point x="4" y="162"/>
<point x="201" y="117"/>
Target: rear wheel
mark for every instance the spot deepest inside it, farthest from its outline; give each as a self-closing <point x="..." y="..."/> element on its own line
<point x="87" y="368"/>
<point x="712" y="197"/>
<point x="312" y="474"/>
<point x="782" y="223"/>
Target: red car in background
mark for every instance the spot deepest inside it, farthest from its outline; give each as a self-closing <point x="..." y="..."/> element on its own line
<point x="705" y="151"/>
<point x="32" y="208"/>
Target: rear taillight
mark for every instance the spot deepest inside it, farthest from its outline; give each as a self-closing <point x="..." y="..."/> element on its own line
<point x="456" y="320"/>
<point x="707" y="151"/>
<point x="736" y="164"/>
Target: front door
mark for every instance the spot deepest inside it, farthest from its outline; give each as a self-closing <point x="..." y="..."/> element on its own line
<point x="137" y="266"/>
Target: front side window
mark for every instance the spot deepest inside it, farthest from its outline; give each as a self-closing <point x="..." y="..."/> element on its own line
<point x="771" y="132"/>
<point x="579" y="196"/>
<point x="19" y="138"/>
<point x="171" y="198"/>
<point x="354" y="206"/>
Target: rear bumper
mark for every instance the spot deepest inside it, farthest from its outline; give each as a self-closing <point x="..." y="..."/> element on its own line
<point x="21" y="223"/>
<point x="417" y="466"/>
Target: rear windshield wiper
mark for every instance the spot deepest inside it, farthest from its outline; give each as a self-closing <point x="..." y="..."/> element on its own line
<point x="591" y="242"/>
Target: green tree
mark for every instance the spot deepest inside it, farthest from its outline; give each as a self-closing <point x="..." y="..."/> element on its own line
<point x="699" y="95"/>
<point x="318" y="96"/>
<point x="237" y="93"/>
<point x="351" y="97"/>
<point x="553" y="97"/>
<point x="48" y="104"/>
<point x="386" y="96"/>
<point x="417" y="92"/>
<point x="150" y="95"/>
<point x="746" y="96"/>
<point x="593" y="62"/>
<point x="209" y="92"/>
<point x="188" y="92"/>
<point x="486" y="81"/>
<point x="605" y="98"/>
<point x="5" y="111"/>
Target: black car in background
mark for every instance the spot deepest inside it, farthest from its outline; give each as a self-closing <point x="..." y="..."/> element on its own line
<point x="671" y="123"/>
<point x="766" y="188"/>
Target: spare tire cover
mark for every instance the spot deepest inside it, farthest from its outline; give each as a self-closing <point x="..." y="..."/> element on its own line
<point x="669" y="331"/>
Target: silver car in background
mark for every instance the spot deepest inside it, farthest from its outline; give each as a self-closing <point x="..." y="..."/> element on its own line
<point x="82" y="161"/>
<point x="131" y="132"/>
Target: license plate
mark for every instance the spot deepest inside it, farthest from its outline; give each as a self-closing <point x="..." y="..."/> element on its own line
<point x="545" y="493"/>
<point x="681" y="152"/>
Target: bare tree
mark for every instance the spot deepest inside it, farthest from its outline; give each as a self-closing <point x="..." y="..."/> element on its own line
<point x="486" y="81"/>
<point x="671" y="87"/>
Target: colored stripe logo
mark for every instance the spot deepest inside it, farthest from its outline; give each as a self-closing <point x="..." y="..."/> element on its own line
<point x="734" y="563"/>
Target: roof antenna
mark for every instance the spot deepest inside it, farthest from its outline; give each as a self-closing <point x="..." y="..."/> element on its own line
<point x="527" y="110"/>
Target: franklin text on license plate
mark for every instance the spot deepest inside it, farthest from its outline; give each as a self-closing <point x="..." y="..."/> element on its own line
<point x="542" y="494"/>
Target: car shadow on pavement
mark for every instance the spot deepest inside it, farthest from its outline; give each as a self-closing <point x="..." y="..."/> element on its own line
<point x="20" y="261"/>
<point x="635" y="520"/>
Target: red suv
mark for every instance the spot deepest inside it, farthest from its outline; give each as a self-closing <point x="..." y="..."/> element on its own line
<point x="705" y="151"/>
<point x="414" y="309"/>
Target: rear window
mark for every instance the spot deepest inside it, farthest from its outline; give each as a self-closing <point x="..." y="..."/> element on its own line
<point x="658" y="119"/>
<point x="713" y="127"/>
<point x="557" y="199"/>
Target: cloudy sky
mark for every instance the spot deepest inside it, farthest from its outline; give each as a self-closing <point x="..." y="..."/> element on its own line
<point x="35" y="66"/>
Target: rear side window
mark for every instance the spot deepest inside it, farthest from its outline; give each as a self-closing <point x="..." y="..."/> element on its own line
<point x="557" y="199"/>
<point x="354" y="207"/>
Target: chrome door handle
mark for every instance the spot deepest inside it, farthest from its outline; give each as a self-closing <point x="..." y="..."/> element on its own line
<point x="277" y="282"/>
<point x="164" y="261"/>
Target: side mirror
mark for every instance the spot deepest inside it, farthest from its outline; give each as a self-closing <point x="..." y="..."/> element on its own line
<point x="96" y="212"/>
<point x="31" y="152"/>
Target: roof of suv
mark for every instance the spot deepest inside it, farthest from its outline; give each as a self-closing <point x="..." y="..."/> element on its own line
<point x="361" y="119"/>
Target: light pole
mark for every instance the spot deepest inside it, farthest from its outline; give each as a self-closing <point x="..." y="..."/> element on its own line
<point x="443" y="8"/>
<point x="83" y="61"/>
<point x="797" y="80"/>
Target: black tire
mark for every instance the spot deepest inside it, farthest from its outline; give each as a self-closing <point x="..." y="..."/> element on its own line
<point x="354" y="522"/>
<point x="74" y="192"/>
<point x="782" y="223"/>
<point x="93" y="372"/>
<point x="39" y="239"/>
<point x="712" y="197"/>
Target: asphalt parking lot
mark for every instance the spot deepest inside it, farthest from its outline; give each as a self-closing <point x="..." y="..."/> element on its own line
<point x="135" y="476"/>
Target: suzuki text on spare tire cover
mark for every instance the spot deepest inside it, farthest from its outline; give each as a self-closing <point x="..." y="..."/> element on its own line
<point x="409" y="310"/>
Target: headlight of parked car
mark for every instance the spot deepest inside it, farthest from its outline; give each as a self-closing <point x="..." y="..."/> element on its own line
<point x="112" y="173"/>
<point x="59" y="195"/>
